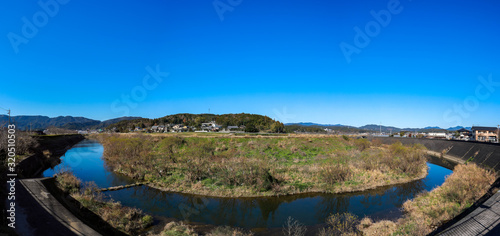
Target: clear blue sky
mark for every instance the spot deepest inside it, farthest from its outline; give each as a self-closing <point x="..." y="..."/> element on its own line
<point x="278" y="58"/>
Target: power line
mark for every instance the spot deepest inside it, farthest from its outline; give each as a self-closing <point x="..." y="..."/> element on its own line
<point x="8" y="112"/>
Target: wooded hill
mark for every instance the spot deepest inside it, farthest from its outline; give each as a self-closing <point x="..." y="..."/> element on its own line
<point x="251" y="122"/>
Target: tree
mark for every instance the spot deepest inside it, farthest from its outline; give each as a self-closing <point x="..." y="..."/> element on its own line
<point x="250" y="128"/>
<point x="278" y="127"/>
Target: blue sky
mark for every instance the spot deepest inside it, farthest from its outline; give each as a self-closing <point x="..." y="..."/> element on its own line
<point x="284" y="59"/>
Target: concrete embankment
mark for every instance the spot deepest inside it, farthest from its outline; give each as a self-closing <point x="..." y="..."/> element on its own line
<point x="483" y="217"/>
<point x="484" y="154"/>
<point x="47" y="154"/>
<point x="43" y="214"/>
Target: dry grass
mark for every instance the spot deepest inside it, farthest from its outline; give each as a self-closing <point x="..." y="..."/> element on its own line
<point x="261" y="166"/>
<point x="385" y="227"/>
<point x="341" y="224"/>
<point x="228" y="231"/>
<point x="67" y="182"/>
<point x="182" y="229"/>
<point x="178" y="229"/>
<point x="429" y="210"/>
<point x="127" y="219"/>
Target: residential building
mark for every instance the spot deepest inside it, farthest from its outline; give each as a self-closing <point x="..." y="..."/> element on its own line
<point x="463" y="134"/>
<point x="211" y="126"/>
<point x="485" y="134"/>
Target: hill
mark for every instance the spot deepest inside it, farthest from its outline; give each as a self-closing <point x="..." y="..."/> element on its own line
<point x="67" y="122"/>
<point x="259" y="122"/>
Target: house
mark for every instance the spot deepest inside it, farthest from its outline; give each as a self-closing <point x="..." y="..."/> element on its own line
<point x="463" y="134"/>
<point x="154" y="128"/>
<point x="179" y="128"/>
<point x="211" y="126"/>
<point x="436" y="135"/>
<point x="485" y="134"/>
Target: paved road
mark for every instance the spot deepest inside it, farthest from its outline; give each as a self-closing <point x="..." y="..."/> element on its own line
<point x="485" y="220"/>
<point x="39" y="213"/>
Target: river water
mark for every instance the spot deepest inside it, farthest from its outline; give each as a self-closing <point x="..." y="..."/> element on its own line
<point x="86" y="162"/>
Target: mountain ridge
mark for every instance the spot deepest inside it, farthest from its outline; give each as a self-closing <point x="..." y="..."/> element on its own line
<point x="39" y="122"/>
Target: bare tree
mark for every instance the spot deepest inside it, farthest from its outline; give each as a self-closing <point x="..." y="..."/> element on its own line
<point x="293" y="227"/>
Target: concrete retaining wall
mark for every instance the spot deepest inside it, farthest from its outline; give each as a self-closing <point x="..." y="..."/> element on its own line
<point x="38" y="162"/>
<point x="484" y="154"/>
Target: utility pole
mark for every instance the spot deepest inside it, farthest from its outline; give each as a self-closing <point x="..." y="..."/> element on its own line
<point x="8" y="112"/>
<point x="498" y="133"/>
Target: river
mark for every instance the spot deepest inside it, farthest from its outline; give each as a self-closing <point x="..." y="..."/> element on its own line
<point x="86" y="162"/>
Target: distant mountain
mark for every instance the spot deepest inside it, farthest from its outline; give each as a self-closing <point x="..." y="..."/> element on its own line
<point x="116" y="120"/>
<point x="313" y="124"/>
<point x="385" y="129"/>
<point x="432" y="127"/>
<point x="374" y="127"/>
<point x="458" y="127"/>
<point x="67" y="122"/>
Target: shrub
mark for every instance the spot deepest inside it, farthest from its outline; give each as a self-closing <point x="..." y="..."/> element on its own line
<point x="178" y="229"/>
<point x="293" y="227"/>
<point x="241" y="171"/>
<point x="341" y="224"/>
<point x="362" y="144"/>
<point x="25" y="143"/>
<point x="227" y="231"/>
<point x="407" y="160"/>
<point x="67" y="182"/>
<point x="336" y="173"/>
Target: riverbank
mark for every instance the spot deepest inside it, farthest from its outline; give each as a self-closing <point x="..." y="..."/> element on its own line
<point x="430" y="210"/>
<point x="47" y="151"/>
<point x="253" y="166"/>
<point x="87" y="201"/>
<point x="33" y="155"/>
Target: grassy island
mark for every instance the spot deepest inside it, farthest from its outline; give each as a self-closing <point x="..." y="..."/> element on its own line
<point x="261" y="166"/>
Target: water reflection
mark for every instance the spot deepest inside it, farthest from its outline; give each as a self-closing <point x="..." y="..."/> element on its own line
<point x="263" y="212"/>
